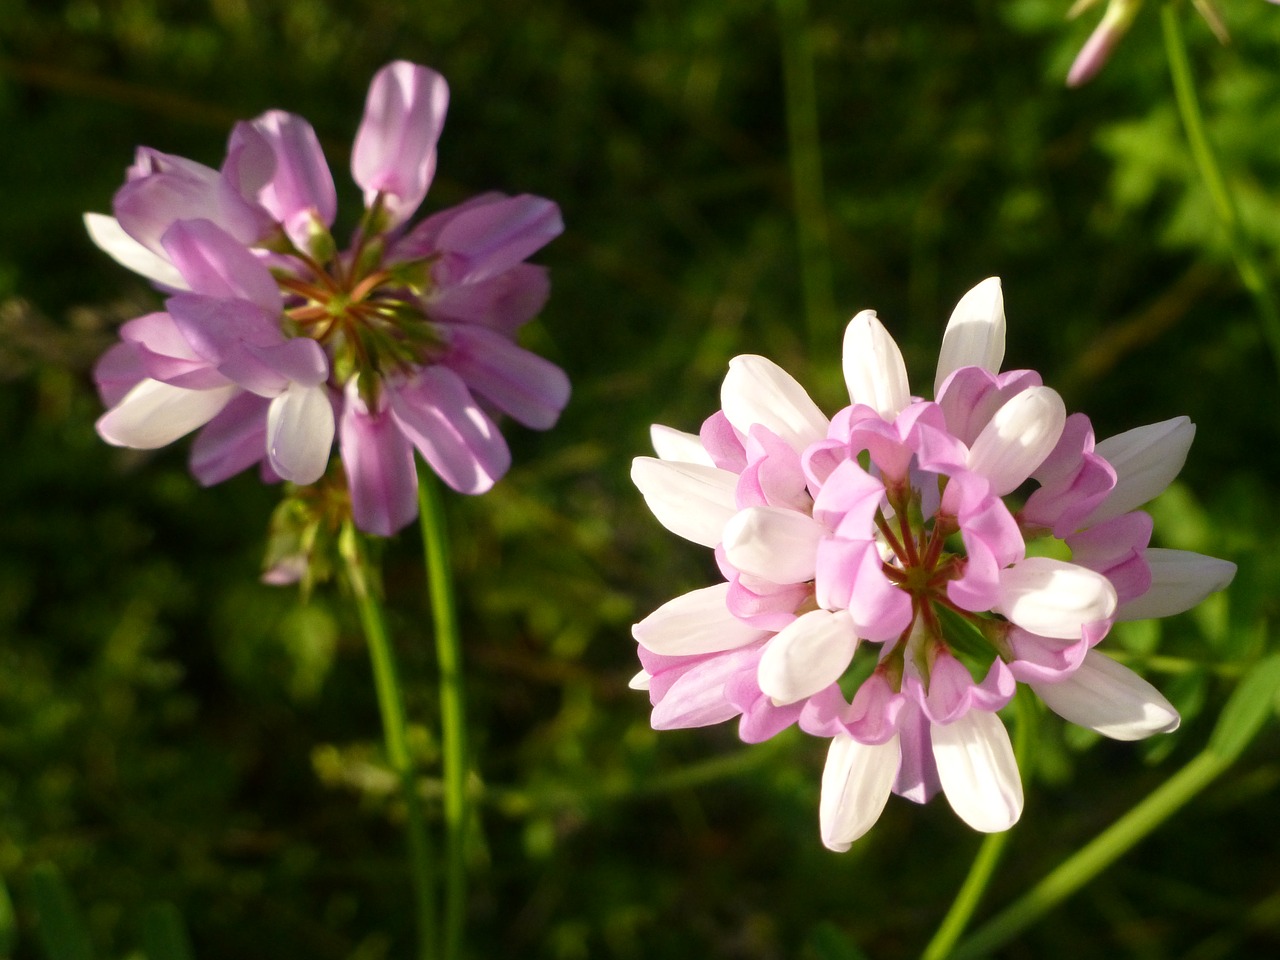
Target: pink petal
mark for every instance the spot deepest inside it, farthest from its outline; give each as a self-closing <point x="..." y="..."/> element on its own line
<point x="697" y="698"/>
<point x="773" y="543"/>
<point x="1146" y="459"/>
<point x="300" y="193"/>
<point x="757" y="390"/>
<point x="503" y="303"/>
<point x="378" y="461"/>
<point x="1019" y="437"/>
<point x="676" y="445"/>
<point x="521" y="384"/>
<point x="1110" y="698"/>
<point x="117" y="372"/>
<point x="1180" y="579"/>
<point x="856" y="783"/>
<point x="217" y="265"/>
<point x="692" y="501"/>
<point x="810" y="654"/>
<point x="166" y="355"/>
<point x="1053" y="598"/>
<point x="232" y="441"/>
<point x="695" y="623"/>
<point x="164" y="190"/>
<point x="300" y="432"/>
<point x="975" y="333"/>
<point x="155" y="414"/>
<point x="488" y="239"/>
<point x="395" y="148"/>
<point x="111" y="238"/>
<point x="978" y="771"/>
<point x="874" y="370"/>
<point x="462" y="445"/>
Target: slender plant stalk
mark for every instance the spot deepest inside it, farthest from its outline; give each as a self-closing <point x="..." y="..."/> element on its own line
<point x="395" y="734"/>
<point x="805" y="149"/>
<point x="444" y="612"/>
<point x="988" y="855"/>
<point x="1246" y="261"/>
<point x="1078" y="869"/>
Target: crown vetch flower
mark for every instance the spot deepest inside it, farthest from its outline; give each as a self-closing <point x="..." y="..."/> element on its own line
<point x="274" y="341"/>
<point x="882" y="551"/>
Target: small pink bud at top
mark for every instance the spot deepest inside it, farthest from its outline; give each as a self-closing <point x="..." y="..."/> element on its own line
<point x="874" y="370"/>
<point x="395" y="148"/>
<point x="1097" y="49"/>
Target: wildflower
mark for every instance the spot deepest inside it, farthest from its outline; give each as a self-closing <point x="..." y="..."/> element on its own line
<point x="1115" y="23"/>
<point x="882" y="551"/>
<point x="273" y="341"/>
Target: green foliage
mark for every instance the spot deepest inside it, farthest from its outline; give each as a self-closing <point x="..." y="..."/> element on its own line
<point x="60" y="927"/>
<point x="174" y="732"/>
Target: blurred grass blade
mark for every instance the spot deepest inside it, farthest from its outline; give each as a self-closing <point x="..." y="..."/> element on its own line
<point x="61" y="929"/>
<point x="164" y="934"/>
<point x="1250" y="705"/>
<point x="8" y="923"/>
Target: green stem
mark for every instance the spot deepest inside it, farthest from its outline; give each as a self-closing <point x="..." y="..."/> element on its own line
<point x="988" y="856"/>
<point x="395" y="735"/>
<point x="805" y="151"/>
<point x="1078" y="869"/>
<point x="1250" y="270"/>
<point x="444" y="612"/>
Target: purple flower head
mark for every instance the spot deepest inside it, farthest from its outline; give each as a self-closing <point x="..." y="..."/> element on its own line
<point x="274" y="341"/>
<point x="892" y="543"/>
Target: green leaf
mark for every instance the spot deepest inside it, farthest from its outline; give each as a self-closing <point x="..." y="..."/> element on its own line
<point x="164" y="934"/>
<point x="61" y="929"/>
<point x="1247" y="709"/>
<point x="8" y="923"/>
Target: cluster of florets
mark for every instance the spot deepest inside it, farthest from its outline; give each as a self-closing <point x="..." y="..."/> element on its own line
<point x="273" y="340"/>
<point x="884" y="589"/>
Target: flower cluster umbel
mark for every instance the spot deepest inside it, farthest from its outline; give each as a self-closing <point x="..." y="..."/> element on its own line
<point x="891" y="528"/>
<point x="273" y="340"/>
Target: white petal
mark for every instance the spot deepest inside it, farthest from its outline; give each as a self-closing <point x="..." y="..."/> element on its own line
<point x="1018" y="438"/>
<point x="1146" y="459"/>
<point x="856" y="783"/>
<point x="1054" y="598"/>
<point x="110" y="237"/>
<point x="874" y="370"/>
<point x="672" y="444"/>
<point x="757" y="390"/>
<point x="975" y="332"/>
<point x="640" y="681"/>
<point x="1110" y="698"/>
<point x="693" y="623"/>
<point x="774" y="543"/>
<point x="300" y="433"/>
<point x="154" y="414"/>
<point x="978" y="772"/>
<point x="692" y="501"/>
<point x="1180" y="579"/>
<point x="806" y="656"/>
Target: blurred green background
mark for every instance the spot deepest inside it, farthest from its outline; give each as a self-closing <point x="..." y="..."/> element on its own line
<point x="171" y="731"/>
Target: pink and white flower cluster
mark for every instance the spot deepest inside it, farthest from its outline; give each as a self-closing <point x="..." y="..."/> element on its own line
<point x="273" y="341"/>
<point x="884" y="588"/>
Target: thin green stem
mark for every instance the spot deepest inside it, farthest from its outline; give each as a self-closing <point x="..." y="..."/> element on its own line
<point x="395" y="735"/>
<point x="988" y="856"/>
<point x="1078" y="869"/>
<point x="444" y="612"/>
<point x="805" y="150"/>
<point x="1246" y="261"/>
